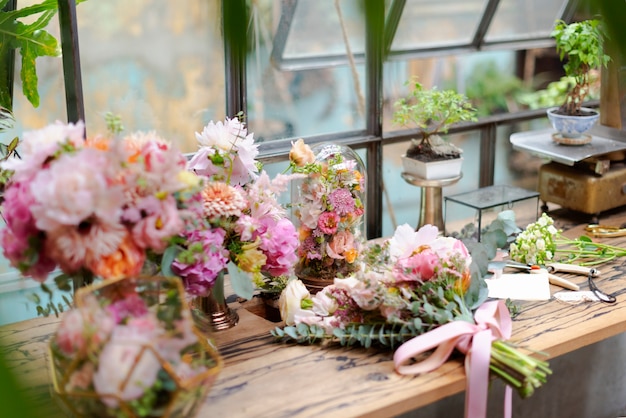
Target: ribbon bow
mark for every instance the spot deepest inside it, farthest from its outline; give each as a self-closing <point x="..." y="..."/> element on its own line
<point x="474" y="340"/>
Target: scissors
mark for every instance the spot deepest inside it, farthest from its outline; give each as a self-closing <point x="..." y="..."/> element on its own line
<point x="552" y="278"/>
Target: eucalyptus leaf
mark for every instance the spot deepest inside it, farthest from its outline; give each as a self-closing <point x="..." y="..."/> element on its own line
<point x="169" y="255"/>
<point x="240" y="281"/>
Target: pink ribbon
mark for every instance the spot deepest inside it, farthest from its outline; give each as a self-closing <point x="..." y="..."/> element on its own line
<point x="474" y="340"/>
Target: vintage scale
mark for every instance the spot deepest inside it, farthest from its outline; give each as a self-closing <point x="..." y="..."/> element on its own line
<point x="588" y="178"/>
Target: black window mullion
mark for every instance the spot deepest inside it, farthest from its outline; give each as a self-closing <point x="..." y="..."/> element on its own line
<point x="74" y="102"/>
<point x="374" y="48"/>
<point x="235" y="49"/>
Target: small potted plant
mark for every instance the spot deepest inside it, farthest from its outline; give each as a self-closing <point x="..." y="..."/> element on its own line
<point x="433" y="112"/>
<point x="581" y="42"/>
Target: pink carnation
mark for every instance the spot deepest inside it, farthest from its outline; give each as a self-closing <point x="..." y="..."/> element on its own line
<point x="328" y="222"/>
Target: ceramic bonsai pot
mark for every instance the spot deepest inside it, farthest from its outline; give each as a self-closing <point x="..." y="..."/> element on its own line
<point x="572" y="126"/>
<point x="433" y="170"/>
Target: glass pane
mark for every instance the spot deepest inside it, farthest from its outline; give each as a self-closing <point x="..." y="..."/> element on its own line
<point x="401" y="200"/>
<point x="158" y="64"/>
<point x="435" y="23"/>
<point x="283" y="103"/>
<point x="516" y="19"/>
<point x="317" y="29"/>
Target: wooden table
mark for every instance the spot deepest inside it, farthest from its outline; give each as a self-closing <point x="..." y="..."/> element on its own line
<point x="264" y="379"/>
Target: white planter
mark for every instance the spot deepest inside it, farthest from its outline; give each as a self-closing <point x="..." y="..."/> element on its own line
<point x="435" y="170"/>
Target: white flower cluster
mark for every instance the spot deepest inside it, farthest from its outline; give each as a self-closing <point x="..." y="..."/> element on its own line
<point x="537" y="243"/>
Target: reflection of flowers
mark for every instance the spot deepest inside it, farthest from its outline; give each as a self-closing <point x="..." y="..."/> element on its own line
<point x="329" y="209"/>
<point x="242" y="226"/>
<point x="419" y="283"/>
<point x="96" y="206"/>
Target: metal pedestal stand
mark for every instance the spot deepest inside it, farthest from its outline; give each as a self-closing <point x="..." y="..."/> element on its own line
<point x="431" y="202"/>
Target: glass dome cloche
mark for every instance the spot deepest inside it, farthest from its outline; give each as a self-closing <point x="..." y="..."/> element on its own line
<point x="328" y="210"/>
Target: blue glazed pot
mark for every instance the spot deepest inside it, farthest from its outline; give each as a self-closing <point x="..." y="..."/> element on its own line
<point x="572" y="126"/>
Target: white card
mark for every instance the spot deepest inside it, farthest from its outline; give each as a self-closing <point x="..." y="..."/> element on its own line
<point x="520" y="286"/>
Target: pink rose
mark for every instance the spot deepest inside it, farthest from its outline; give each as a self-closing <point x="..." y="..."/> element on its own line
<point x="157" y="227"/>
<point x="420" y="266"/>
<point x="341" y="242"/>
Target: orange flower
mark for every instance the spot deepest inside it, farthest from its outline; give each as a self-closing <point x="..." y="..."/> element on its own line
<point x="357" y="176"/>
<point x="351" y="255"/>
<point x="126" y="261"/>
<point x="304" y="233"/>
<point x="462" y="284"/>
<point x="99" y="142"/>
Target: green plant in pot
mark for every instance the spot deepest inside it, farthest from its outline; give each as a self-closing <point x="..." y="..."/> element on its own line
<point x="432" y="111"/>
<point x="582" y="44"/>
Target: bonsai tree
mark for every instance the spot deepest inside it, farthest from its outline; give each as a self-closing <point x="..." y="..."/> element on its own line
<point x="432" y="112"/>
<point x="581" y="42"/>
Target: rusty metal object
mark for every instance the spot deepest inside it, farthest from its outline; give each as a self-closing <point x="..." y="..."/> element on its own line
<point x="576" y="189"/>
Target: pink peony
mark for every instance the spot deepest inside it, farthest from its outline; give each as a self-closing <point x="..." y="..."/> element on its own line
<point x="71" y="191"/>
<point x="38" y="146"/>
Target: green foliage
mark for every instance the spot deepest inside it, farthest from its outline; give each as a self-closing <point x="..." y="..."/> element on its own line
<point x="491" y="89"/>
<point x="7" y="150"/>
<point x="365" y="335"/>
<point x="432" y="111"/>
<point x="240" y="281"/>
<point x="582" y="44"/>
<point x="31" y="40"/>
<point x="113" y="123"/>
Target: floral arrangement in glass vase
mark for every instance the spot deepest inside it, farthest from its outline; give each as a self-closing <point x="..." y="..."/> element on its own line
<point x="329" y="211"/>
<point x="129" y="349"/>
<point x="95" y="207"/>
<point x="242" y="228"/>
<point x="415" y="294"/>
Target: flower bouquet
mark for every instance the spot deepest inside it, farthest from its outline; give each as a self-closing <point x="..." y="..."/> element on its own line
<point x="129" y="349"/>
<point x="415" y="296"/>
<point x="241" y="227"/>
<point x="93" y="208"/>
<point x="541" y="243"/>
<point x="329" y="211"/>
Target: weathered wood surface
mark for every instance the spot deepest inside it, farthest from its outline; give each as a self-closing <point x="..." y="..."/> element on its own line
<point x="265" y="379"/>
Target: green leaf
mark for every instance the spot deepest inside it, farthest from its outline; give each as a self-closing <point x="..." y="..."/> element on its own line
<point x="169" y="255"/>
<point x="241" y="281"/>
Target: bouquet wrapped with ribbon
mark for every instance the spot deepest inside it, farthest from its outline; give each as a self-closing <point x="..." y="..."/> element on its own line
<point x="413" y="293"/>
